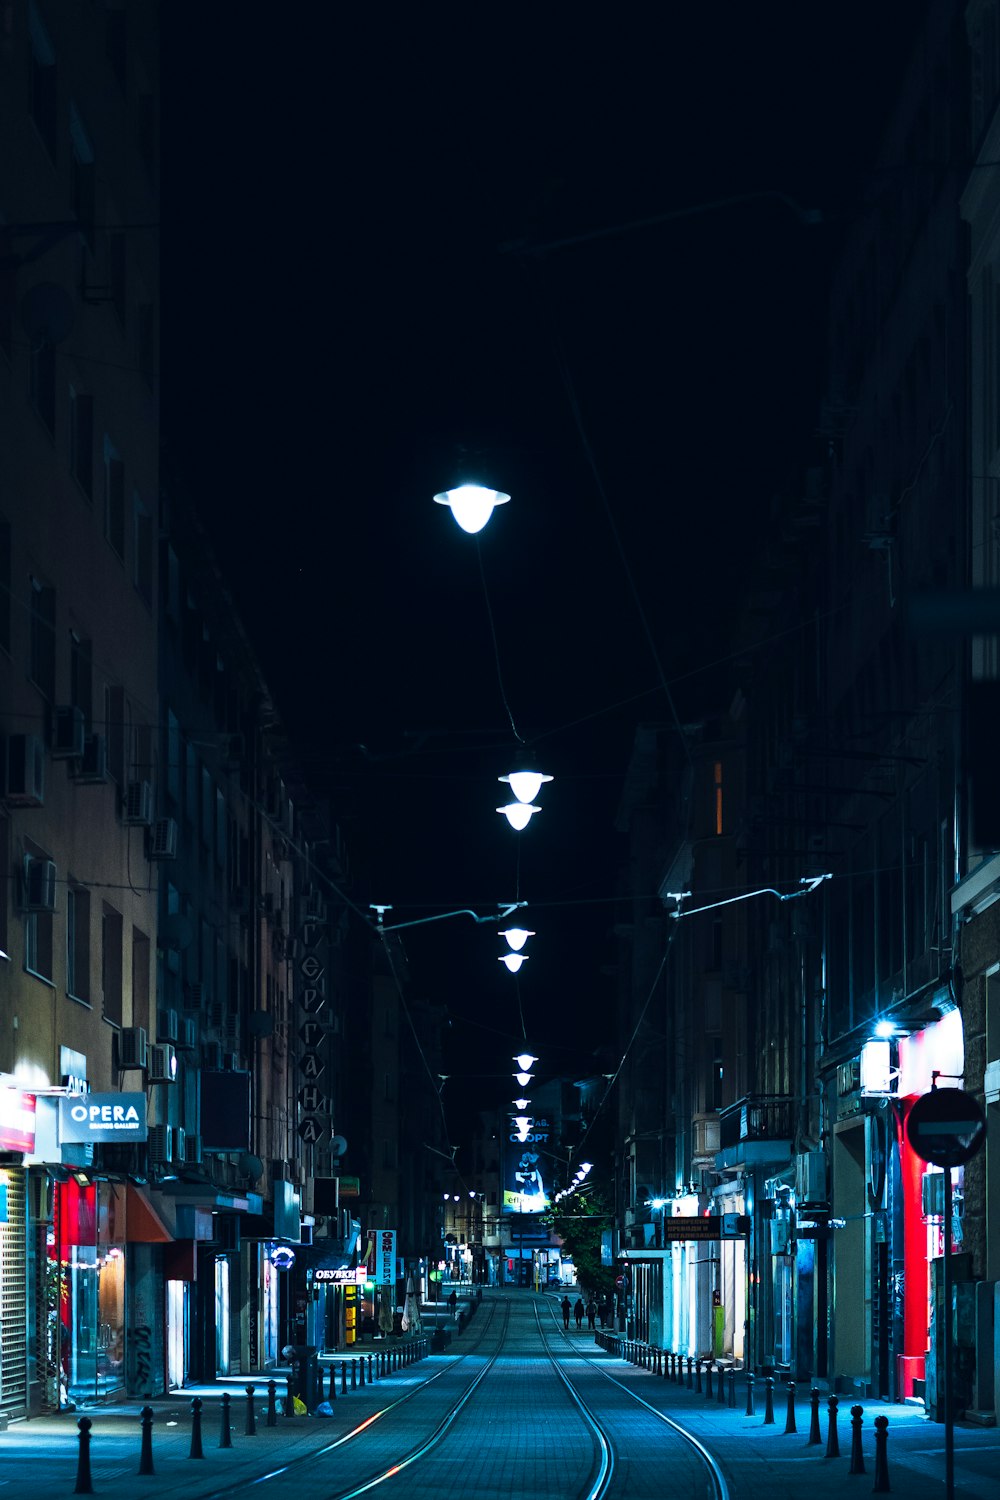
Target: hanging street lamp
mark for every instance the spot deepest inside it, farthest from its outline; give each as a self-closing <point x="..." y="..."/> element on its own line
<point x="525" y="784"/>
<point x="513" y="961"/>
<point x="516" y="937"/>
<point x="518" y="814"/>
<point x="471" y="505"/>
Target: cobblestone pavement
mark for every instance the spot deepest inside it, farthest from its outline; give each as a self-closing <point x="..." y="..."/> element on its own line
<point x="518" y="1434"/>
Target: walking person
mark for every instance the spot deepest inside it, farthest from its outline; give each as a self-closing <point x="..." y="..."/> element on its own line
<point x="591" y="1311"/>
<point x="578" y="1312"/>
<point x="565" y="1312"/>
<point x="602" y="1311"/>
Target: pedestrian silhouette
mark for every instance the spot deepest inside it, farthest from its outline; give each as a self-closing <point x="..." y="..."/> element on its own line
<point x="565" y="1312"/>
<point x="591" y="1312"/>
<point x="453" y="1302"/>
<point x="578" y="1312"/>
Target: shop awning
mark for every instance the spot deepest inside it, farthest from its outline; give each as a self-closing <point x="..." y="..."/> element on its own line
<point x="143" y="1225"/>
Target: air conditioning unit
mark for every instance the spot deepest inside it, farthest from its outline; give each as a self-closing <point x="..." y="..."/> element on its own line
<point x="849" y="1077"/>
<point x="131" y="1047"/>
<point x="211" y="1056"/>
<point x="932" y="1194"/>
<point x="163" y="839"/>
<point x="25" y="783"/>
<point x="166" y="1025"/>
<point x="39" y="884"/>
<point x="138" y="807"/>
<point x="810" y="1178"/>
<point x="194" y="994"/>
<point x="192" y="1148"/>
<point x="68" y="733"/>
<point x="160" y="1145"/>
<point x="91" y="769"/>
<point x="231" y="1062"/>
<point x="162" y="1064"/>
<point x="187" y="1038"/>
<point x="217" y="1015"/>
<point x="180" y="1143"/>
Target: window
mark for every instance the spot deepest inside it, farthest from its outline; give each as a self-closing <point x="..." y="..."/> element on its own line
<point x="140" y="979"/>
<point x="82" y="176"/>
<point x="713" y="1094"/>
<point x="118" y="275"/>
<point x="42" y="95"/>
<point x="142" y="543"/>
<point x="111" y="963"/>
<point x="42" y="381"/>
<point x="37" y="924"/>
<point x="81" y="678"/>
<point x="114" y="497"/>
<point x="78" y="942"/>
<point x="81" y="440"/>
<point x="5" y="581"/>
<point x="42" y="663"/>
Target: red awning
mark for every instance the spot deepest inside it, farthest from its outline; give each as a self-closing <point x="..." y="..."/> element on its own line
<point x="143" y="1225"/>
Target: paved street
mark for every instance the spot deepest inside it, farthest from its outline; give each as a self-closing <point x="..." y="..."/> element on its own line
<point x="496" y="1417"/>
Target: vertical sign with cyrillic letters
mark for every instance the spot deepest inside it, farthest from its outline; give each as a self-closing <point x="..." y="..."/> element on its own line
<point x="385" y="1257"/>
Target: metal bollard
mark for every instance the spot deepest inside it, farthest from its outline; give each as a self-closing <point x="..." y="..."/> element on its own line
<point x="722" y="1383"/>
<point x="690" y="1384"/>
<point x="251" y="1427"/>
<point x="731" y="1392"/>
<point x="226" y="1437"/>
<point x="790" y="1413"/>
<point x="814" y="1434"/>
<point x="146" y="1448"/>
<point x="832" y="1441"/>
<point x="354" y="1374"/>
<point x="272" y="1406"/>
<point x="697" y="1376"/>
<point x="84" y="1484"/>
<point x="708" y="1380"/>
<point x="857" y="1457"/>
<point x="361" y="1371"/>
<point x="881" y="1485"/>
<point x="333" y="1382"/>
<point x="769" y="1402"/>
<point x="196" y="1450"/>
<point x="343" y="1377"/>
<point x="750" y="1406"/>
<point x="371" y="1366"/>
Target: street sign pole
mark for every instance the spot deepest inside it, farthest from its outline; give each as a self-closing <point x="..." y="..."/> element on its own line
<point x="949" y="1423"/>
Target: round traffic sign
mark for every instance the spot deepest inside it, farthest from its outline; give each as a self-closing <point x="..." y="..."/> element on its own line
<point x="946" y="1127"/>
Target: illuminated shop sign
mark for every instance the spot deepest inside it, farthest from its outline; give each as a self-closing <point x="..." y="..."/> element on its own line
<point x="103" y="1117"/>
<point x="355" y="1275"/>
<point x="17" y="1120"/>
<point x="525" y="1190"/>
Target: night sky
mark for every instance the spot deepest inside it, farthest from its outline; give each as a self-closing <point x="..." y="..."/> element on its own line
<point x="361" y="279"/>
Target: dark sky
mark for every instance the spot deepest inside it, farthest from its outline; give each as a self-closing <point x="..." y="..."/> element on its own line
<point x="343" y="314"/>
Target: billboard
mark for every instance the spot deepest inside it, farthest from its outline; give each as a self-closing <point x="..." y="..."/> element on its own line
<point x="524" y="1187"/>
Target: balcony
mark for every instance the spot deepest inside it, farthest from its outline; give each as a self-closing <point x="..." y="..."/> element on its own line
<point x="705" y="1140"/>
<point x="758" y="1129"/>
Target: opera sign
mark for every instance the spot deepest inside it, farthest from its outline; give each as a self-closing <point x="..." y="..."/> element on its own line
<point x="103" y="1117"/>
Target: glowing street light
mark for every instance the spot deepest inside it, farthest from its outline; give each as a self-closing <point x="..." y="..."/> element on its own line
<point x="513" y="960"/>
<point x="525" y="1060"/>
<point x="519" y="814"/>
<point x="520" y="1103"/>
<point x="525" y="784"/>
<point x="516" y="937"/>
<point x="471" y="505"/>
<point x="524" y="1079"/>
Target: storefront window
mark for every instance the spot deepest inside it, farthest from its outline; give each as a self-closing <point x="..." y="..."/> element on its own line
<point x="177" y="1324"/>
<point x="87" y="1291"/>
<point x="222" y="1315"/>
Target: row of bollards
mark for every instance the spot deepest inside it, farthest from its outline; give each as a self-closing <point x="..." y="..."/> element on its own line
<point x="369" y="1368"/>
<point x="670" y="1365"/>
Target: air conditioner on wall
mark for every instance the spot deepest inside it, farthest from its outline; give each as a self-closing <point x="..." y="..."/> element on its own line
<point x="187" y="1038"/>
<point x="163" y="839"/>
<point x="132" y="1047"/>
<point x="138" y="808"/>
<point x="810" y="1178"/>
<point x="91" y="768"/>
<point x="166" y="1025"/>
<point x="162" y="1067"/>
<point x="160" y="1145"/>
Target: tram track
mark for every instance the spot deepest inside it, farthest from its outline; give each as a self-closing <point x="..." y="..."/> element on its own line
<point x="484" y="1429"/>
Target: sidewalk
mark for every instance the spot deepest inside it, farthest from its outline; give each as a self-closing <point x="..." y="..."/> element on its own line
<point x="765" y="1460"/>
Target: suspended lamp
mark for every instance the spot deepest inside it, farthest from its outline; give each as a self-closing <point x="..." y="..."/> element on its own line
<point x="516" y="937"/>
<point x="524" y="1079"/>
<point x="525" y="784"/>
<point x="513" y="960"/>
<point x="518" y="814"/>
<point x="520" y="1103"/>
<point x="471" y="505"/>
<point x="525" y="1060"/>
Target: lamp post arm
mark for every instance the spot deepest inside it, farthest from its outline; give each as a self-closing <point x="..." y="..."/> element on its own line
<point x="463" y="911"/>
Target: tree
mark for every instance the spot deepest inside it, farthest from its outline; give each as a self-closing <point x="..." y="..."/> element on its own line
<point x="579" y="1222"/>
